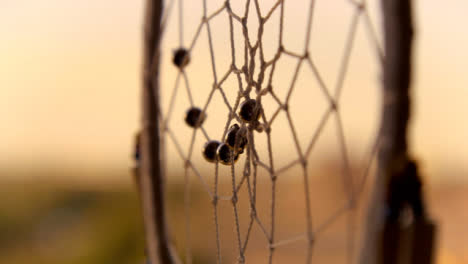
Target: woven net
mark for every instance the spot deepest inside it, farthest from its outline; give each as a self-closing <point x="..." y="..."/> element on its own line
<point x="235" y="52"/>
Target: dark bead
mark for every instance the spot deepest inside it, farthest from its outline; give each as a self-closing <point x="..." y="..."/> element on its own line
<point x="195" y="117"/>
<point x="247" y="111"/>
<point x="209" y="150"/>
<point x="231" y="139"/>
<point x="181" y="58"/>
<point x="137" y="150"/>
<point x="225" y="153"/>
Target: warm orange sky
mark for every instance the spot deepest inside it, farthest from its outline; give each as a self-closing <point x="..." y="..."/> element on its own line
<point x="69" y="80"/>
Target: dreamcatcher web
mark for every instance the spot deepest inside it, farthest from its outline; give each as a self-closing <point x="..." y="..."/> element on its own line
<point x="252" y="68"/>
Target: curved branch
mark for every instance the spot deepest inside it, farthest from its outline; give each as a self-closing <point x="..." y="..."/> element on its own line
<point x="151" y="180"/>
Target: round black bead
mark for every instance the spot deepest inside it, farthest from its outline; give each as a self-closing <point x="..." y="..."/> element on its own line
<point x="248" y="111"/>
<point x="181" y="58"/>
<point x="225" y="153"/>
<point x="231" y="139"/>
<point x="195" y="117"/>
<point x="209" y="150"/>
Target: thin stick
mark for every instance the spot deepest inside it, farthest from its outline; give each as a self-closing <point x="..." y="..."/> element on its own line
<point x="393" y="151"/>
<point x="151" y="177"/>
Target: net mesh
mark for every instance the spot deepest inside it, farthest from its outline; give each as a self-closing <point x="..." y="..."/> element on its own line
<point x="252" y="70"/>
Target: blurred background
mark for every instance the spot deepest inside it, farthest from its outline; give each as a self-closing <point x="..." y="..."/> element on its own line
<point x="69" y="110"/>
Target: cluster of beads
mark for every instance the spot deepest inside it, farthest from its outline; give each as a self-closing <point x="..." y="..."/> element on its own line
<point x="226" y="152"/>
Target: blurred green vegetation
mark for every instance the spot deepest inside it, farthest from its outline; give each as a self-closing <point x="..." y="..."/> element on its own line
<point x="52" y="223"/>
<point x="47" y="223"/>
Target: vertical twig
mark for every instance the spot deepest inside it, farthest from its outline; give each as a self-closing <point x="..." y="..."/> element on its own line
<point x="393" y="153"/>
<point x="151" y="173"/>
